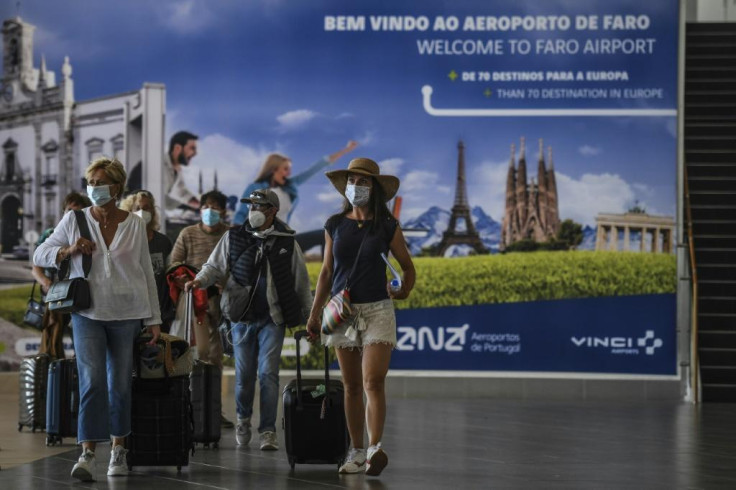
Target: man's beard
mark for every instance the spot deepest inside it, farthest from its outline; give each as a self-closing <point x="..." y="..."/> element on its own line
<point x="183" y="160"/>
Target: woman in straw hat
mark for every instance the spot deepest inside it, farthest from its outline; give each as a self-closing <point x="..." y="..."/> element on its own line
<point x="364" y="345"/>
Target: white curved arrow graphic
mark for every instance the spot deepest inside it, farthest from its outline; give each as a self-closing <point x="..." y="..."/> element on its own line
<point x="427" y="101"/>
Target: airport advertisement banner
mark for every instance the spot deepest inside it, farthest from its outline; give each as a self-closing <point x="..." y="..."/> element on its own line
<point x="624" y="334"/>
<point x="535" y="143"/>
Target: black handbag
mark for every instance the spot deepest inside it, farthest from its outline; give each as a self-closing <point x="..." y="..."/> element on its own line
<point x="34" y="311"/>
<point x="70" y="295"/>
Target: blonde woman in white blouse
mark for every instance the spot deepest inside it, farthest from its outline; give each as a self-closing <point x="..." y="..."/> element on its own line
<point x="124" y="297"/>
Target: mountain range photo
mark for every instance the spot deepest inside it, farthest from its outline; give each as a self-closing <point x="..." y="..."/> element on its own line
<point x="426" y="230"/>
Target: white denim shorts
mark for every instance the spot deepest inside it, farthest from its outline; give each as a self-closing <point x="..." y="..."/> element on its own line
<point x="371" y="323"/>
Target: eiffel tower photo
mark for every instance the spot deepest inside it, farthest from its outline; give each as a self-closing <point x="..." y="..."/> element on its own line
<point x="466" y="235"/>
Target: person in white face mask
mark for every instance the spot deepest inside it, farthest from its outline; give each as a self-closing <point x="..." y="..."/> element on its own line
<point x="267" y="290"/>
<point x="123" y="295"/>
<point x="358" y="236"/>
<point x="142" y="204"/>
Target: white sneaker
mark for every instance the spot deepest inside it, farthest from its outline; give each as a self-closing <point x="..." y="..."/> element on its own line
<point x="355" y="462"/>
<point x="377" y="460"/>
<point x="269" y="441"/>
<point x="85" y="468"/>
<point x="118" y="464"/>
<point x="243" y="432"/>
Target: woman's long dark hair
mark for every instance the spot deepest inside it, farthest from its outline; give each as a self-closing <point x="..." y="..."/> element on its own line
<point x="377" y="203"/>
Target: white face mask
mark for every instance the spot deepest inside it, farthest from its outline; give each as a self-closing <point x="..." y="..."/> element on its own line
<point x="358" y="195"/>
<point x="147" y="217"/>
<point x="256" y="218"/>
<point x="99" y="195"/>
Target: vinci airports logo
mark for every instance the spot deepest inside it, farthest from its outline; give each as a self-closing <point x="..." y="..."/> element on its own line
<point x="621" y="345"/>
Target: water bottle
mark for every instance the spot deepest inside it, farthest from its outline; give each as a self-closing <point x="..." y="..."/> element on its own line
<point x="395" y="284"/>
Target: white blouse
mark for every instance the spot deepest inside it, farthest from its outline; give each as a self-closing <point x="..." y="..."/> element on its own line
<point x="122" y="283"/>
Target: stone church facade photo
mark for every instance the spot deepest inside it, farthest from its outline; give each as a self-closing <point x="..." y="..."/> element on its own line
<point x="48" y="138"/>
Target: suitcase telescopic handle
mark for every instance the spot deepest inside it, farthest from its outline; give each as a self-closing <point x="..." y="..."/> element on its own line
<point x="298" y="335"/>
<point x="188" y="316"/>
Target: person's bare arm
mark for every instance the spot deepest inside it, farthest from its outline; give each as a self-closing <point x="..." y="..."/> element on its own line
<point x="41" y="278"/>
<point x="322" y="290"/>
<point x="401" y="252"/>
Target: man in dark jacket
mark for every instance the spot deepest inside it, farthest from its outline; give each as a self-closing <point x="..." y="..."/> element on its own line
<point x="267" y="290"/>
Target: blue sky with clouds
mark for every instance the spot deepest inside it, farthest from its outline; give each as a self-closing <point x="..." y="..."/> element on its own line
<point x="261" y="76"/>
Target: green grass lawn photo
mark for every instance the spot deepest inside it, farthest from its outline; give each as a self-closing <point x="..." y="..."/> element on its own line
<point x="13" y="303"/>
<point x="535" y="276"/>
<point x="484" y="279"/>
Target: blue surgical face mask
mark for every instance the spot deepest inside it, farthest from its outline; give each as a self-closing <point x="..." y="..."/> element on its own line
<point x="358" y="195"/>
<point x="210" y="217"/>
<point x="99" y="195"/>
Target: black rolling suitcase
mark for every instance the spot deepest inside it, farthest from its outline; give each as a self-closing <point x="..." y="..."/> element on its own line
<point x="206" y="385"/>
<point x="32" y="392"/>
<point x="161" y="423"/>
<point x="314" y="424"/>
<point x="62" y="401"/>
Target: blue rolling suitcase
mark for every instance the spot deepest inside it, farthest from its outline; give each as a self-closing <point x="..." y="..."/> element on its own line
<point x="62" y="401"/>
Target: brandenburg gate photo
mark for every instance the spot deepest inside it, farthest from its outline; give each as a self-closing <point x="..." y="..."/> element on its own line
<point x="661" y="229"/>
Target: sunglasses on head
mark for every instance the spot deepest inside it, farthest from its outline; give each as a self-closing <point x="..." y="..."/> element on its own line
<point x="256" y="205"/>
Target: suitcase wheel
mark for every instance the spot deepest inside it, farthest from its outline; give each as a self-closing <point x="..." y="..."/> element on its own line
<point x="292" y="462"/>
<point x="20" y="427"/>
<point x="206" y="445"/>
<point x="216" y="445"/>
<point x="33" y="429"/>
<point x="178" y="469"/>
<point x="48" y="441"/>
<point x="130" y="467"/>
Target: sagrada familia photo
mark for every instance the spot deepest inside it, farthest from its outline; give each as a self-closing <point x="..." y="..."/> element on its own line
<point x="532" y="209"/>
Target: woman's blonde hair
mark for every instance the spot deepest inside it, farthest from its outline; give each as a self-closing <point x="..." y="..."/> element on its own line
<point x="273" y="161"/>
<point x="112" y="168"/>
<point x="130" y="203"/>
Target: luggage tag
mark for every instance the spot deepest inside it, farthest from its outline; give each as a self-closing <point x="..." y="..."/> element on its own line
<point x="318" y="391"/>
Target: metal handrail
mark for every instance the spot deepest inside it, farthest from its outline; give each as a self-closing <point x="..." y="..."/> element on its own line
<point x="694" y="357"/>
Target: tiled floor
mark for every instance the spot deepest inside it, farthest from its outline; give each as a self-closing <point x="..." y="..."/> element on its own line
<point x="448" y="444"/>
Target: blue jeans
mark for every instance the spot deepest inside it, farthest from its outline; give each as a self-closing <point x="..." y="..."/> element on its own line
<point x="104" y="353"/>
<point x="257" y="349"/>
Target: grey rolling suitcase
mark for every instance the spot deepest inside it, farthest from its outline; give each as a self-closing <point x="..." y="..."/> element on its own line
<point x="32" y="392"/>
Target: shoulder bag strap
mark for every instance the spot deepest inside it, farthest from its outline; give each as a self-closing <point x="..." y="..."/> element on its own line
<point x="84" y="231"/>
<point x="252" y="295"/>
<point x="355" y="264"/>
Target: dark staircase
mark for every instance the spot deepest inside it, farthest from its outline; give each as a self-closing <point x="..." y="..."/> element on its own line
<point x="710" y="161"/>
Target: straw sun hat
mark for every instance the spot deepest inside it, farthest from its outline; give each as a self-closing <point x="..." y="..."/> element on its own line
<point x="364" y="166"/>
